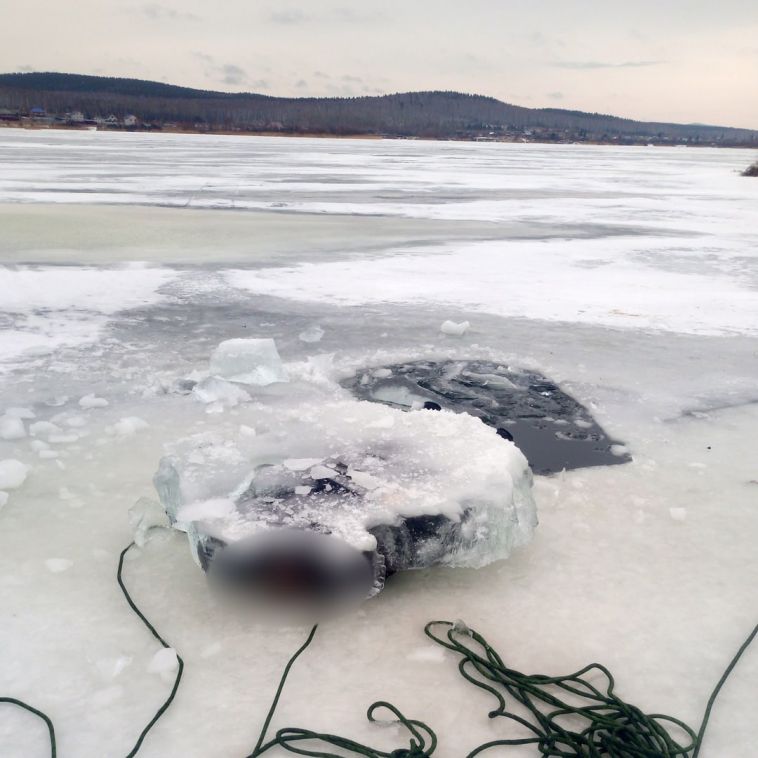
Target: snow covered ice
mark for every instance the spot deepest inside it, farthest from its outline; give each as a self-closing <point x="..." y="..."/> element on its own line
<point x="127" y="259"/>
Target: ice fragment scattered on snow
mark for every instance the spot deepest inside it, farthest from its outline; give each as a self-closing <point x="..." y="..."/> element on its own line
<point x="164" y="663"/>
<point x="26" y="413"/>
<point x="91" y="401"/>
<point x="43" y="428"/>
<point x="248" y="361"/>
<point x="11" y="428"/>
<point x="127" y="426"/>
<point x="454" y="330"/>
<point x="312" y="334"/>
<point x="217" y="390"/>
<point x="13" y="474"/>
<point x="58" y="565"/>
<point x="145" y="515"/>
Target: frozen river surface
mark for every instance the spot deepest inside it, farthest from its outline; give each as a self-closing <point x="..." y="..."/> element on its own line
<point x="627" y="275"/>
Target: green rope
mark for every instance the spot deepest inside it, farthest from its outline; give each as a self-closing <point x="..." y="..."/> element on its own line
<point x="289" y="738"/>
<point x="717" y="689"/>
<point x="43" y="716"/>
<point x="605" y="725"/>
<point x="610" y="727"/>
<point x="180" y="670"/>
<point x="154" y="632"/>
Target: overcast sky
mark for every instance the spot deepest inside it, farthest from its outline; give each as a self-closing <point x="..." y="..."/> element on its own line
<point x="673" y="60"/>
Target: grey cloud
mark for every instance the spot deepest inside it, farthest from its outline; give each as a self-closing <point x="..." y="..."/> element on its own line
<point x="288" y="17"/>
<point x="353" y="16"/>
<point x="203" y="56"/>
<point x="589" y="65"/>
<point x="555" y="95"/>
<point x="296" y="16"/>
<point x="159" y="12"/>
<point x="229" y="73"/>
<point x="233" y="74"/>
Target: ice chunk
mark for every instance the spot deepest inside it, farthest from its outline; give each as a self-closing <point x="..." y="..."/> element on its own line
<point x="91" y="401"/>
<point x="453" y="329"/>
<point x="405" y="489"/>
<point x="164" y="663"/>
<point x="11" y="428"/>
<point x="312" y="334"/>
<point x="110" y="668"/>
<point x="58" y="565"/>
<point x="13" y="474"/>
<point x="43" y="428"/>
<point x="427" y="654"/>
<point x="248" y="361"/>
<point x="145" y="515"/>
<point x="127" y="426"/>
<point x="63" y="439"/>
<point x="215" y="508"/>
<point x="217" y="390"/>
<point x="301" y="464"/>
<point x="26" y="413"/>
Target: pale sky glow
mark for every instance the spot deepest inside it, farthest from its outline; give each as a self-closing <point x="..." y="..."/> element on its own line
<point x="668" y="60"/>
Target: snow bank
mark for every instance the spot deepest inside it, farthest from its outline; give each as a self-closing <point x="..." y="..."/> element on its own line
<point x="66" y="306"/>
<point x="629" y="283"/>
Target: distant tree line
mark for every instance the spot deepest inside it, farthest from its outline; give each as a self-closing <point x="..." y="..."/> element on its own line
<point x="415" y="114"/>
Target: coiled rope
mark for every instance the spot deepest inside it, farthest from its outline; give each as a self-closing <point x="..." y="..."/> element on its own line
<point x="609" y="727"/>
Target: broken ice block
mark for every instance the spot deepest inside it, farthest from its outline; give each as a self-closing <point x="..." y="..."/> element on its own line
<point x="312" y="334"/>
<point x="248" y="361"/>
<point x="454" y="330"/>
<point x="13" y="474"/>
<point x="11" y="428"/>
<point x="343" y="494"/>
<point x="216" y="390"/>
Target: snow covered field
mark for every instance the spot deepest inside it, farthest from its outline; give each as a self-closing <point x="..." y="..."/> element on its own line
<point x="629" y="275"/>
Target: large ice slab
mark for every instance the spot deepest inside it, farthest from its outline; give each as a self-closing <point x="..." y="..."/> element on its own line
<point x="248" y="361"/>
<point x="407" y="490"/>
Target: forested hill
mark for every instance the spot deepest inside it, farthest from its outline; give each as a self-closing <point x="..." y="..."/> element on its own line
<point x="147" y="104"/>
